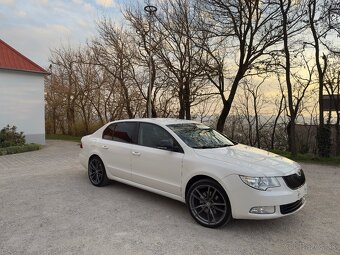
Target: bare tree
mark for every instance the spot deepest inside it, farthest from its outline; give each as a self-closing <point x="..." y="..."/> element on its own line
<point x="332" y="86"/>
<point x="145" y="42"/>
<point x="114" y="51"/>
<point x="250" y="104"/>
<point x="280" y="107"/>
<point x="177" y="52"/>
<point x="252" y="28"/>
<point x="64" y="60"/>
<point x="292" y="13"/>
<point x="331" y="10"/>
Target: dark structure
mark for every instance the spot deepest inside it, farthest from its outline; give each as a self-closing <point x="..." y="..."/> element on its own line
<point x="331" y="103"/>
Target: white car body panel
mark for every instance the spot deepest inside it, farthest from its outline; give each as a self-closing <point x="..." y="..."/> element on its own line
<point x="116" y="158"/>
<point x="167" y="173"/>
<point x="251" y="161"/>
<point x="158" y="169"/>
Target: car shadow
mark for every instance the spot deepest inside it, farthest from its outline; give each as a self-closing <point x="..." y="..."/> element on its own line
<point x="179" y="210"/>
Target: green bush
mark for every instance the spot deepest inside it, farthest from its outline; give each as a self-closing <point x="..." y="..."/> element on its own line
<point x="10" y="137"/>
<point x="63" y="137"/>
<point x="309" y="158"/>
<point x="19" y="149"/>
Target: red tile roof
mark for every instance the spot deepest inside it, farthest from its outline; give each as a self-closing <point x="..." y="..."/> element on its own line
<point x="14" y="60"/>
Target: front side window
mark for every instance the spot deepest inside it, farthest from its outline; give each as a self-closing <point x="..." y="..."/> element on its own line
<point x="153" y="136"/>
<point x="199" y="136"/>
<point x="121" y="132"/>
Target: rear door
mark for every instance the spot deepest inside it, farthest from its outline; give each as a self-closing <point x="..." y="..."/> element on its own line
<point x="153" y="165"/>
<point x="116" y="146"/>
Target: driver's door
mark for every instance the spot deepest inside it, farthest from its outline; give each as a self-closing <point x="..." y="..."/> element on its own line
<point x="153" y="165"/>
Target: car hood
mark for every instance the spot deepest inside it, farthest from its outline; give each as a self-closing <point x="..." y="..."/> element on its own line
<point x="251" y="161"/>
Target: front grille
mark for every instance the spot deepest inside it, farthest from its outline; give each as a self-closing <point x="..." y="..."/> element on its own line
<point x="292" y="207"/>
<point x="295" y="181"/>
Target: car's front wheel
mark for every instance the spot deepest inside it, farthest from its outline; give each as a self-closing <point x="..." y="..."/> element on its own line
<point x="96" y="172"/>
<point x="208" y="203"/>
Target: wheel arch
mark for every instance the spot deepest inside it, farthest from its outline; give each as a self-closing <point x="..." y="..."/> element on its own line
<point x="198" y="177"/>
<point x="94" y="156"/>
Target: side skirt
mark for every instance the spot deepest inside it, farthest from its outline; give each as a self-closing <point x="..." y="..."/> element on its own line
<point x="140" y="186"/>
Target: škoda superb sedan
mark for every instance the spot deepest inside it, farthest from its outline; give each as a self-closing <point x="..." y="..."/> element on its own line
<point x="217" y="178"/>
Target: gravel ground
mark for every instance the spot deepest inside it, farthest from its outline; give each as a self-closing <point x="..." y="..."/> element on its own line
<point x="48" y="206"/>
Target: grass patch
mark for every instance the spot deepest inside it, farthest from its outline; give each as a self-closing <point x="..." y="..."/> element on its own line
<point x="309" y="158"/>
<point x="19" y="149"/>
<point x="63" y="137"/>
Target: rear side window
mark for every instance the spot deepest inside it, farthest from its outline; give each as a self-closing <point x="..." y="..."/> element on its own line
<point x="124" y="132"/>
<point x="108" y="132"/>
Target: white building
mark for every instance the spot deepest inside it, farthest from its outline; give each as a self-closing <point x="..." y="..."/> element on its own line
<point x="22" y="94"/>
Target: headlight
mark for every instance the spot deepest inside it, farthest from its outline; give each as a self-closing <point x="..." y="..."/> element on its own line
<point x="260" y="183"/>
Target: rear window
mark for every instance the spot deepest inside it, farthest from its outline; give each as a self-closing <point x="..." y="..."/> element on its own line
<point x="124" y="132"/>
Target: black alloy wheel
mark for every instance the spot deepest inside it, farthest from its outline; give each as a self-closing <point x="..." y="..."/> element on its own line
<point x="208" y="203"/>
<point x="97" y="173"/>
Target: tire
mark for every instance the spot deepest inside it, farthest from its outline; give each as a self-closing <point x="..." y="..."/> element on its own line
<point x="208" y="203"/>
<point x="96" y="172"/>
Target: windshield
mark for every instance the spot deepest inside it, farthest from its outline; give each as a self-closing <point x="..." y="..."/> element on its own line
<point x="199" y="136"/>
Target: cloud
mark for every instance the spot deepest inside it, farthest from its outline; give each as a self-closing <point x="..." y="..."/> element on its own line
<point x="88" y="7"/>
<point x="7" y="2"/>
<point x="36" y="42"/>
<point x="106" y="3"/>
<point x="33" y="27"/>
<point x="20" y="13"/>
<point x="41" y="2"/>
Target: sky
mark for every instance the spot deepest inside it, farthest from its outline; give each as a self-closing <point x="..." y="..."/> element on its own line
<point x="33" y="27"/>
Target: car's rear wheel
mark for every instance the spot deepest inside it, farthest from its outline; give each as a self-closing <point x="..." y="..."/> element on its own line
<point x="96" y="172"/>
<point x="208" y="203"/>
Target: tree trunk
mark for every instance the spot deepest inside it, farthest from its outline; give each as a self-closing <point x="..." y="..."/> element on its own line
<point x="257" y="125"/>
<point x="70" y="121"/>
<point x="223" y="116"/>
<point x="312" y="9"/>
<point x="227" y="103"/>
<point x="187" y="103"/>
<point x="181" y="113"/>
<point x="291" y="124"/>
<point x="337" y="135"/>
<point x="54" y="120"/>
<point x="153" y="111"/>
<point x="127" y="100"/>
<point x="291" y="137"/>
<point x="337" y="140"/>
<point x="275" y="124"/>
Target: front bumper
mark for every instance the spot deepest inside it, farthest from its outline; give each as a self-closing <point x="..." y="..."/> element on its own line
<point x="243" y="198"/>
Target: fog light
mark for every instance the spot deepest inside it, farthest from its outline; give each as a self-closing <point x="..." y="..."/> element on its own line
<point x="263" y="210"/>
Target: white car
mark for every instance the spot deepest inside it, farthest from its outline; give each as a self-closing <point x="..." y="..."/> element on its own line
<point x="217" y="178"/>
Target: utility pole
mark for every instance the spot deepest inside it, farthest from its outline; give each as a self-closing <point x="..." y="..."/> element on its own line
<point x="151" y="10"/>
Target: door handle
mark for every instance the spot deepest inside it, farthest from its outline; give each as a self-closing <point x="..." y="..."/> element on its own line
<point x="136" y="153"/>
<point x="105" y="147"/>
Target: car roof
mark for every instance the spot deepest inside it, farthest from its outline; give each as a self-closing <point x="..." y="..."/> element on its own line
<point x="160" y="121"/>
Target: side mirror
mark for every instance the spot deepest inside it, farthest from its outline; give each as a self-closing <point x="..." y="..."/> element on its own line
<point x="166" y="144"/>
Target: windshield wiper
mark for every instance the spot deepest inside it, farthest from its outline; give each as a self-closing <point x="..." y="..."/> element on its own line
<point x="225" y="145"/>
<point x="204" y="147"/>
<point x="212" y="147"/>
